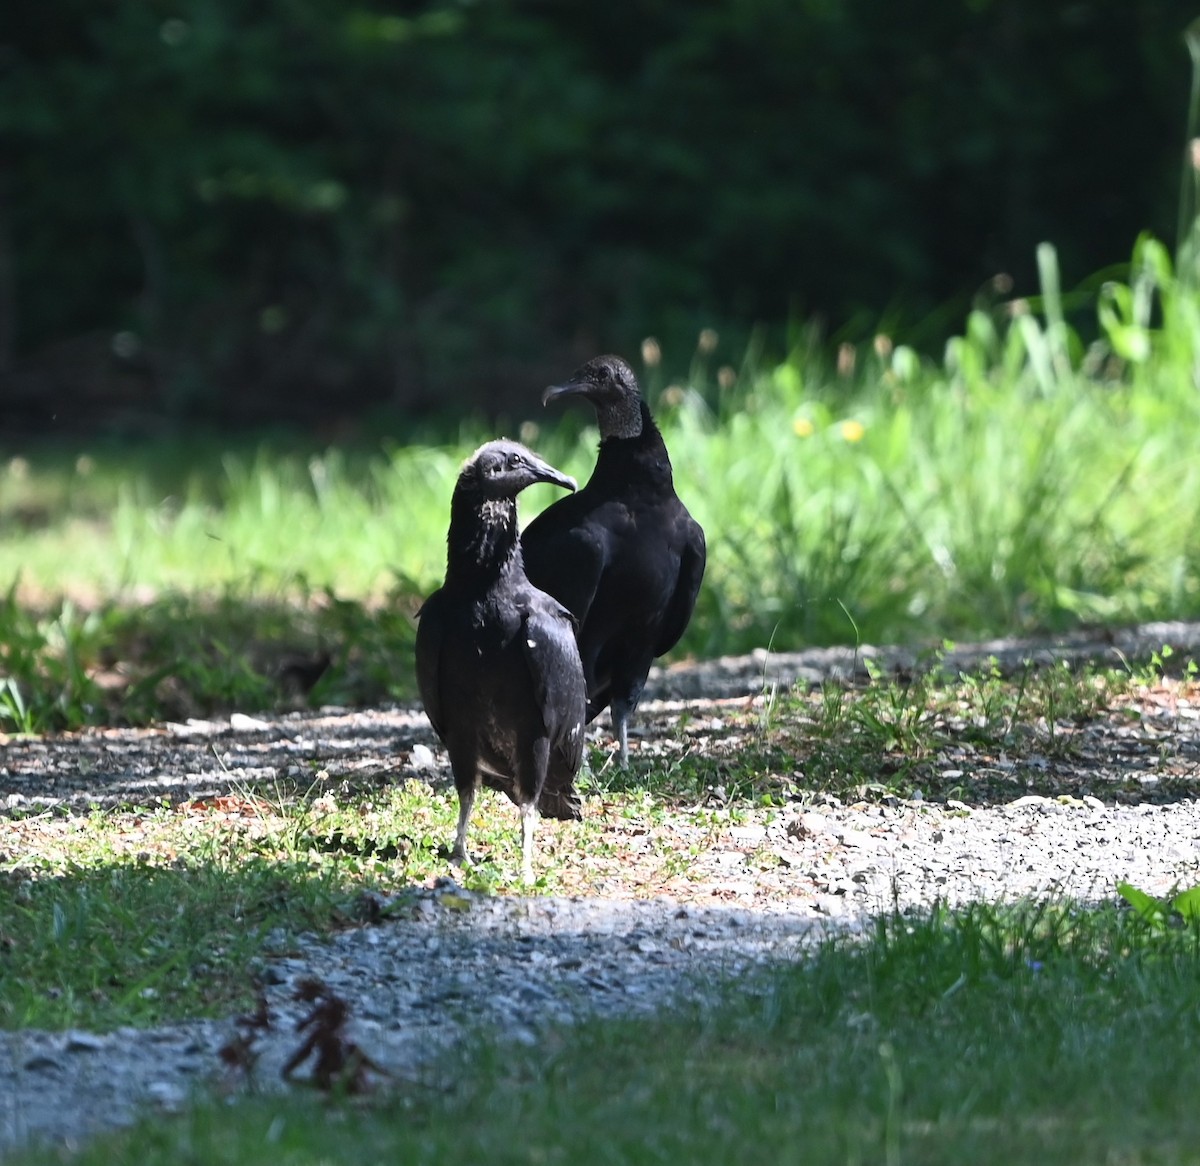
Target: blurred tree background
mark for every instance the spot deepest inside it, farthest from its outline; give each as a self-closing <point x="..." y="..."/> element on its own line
<point x="231" y="211"/>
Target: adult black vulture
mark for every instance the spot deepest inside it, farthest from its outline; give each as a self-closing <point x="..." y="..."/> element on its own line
<point x="623" y="554"/>
<point x="497" y="663"/>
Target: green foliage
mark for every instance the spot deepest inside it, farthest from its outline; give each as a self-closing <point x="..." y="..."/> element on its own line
<point x="45" y="681"/>
<point x="1002" y="480"/>
<point x="891" y="735"/>
<point x="143" y="914"/>
<point x="1027" y="483"/>
<point x="182" y="655"/>
<point x="1157" y="912"/>
<point x="139" y="916"/>
<point x="296" y="207"/>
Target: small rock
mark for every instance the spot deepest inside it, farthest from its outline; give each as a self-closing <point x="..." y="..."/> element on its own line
<point x="748" y="834"/>
<point x="240" y="723"/>
<point x="79" y="1041"/>
<point x="855" y="838"/>
<point x="1029" y="801"/>
<point x="166" y="1094"/>
<point x="282" y="971"/>
<point x="808" y="825"/>
<point x="41" y="1062"/>
<point x="193" y="727"/>
<point x="421" y="757"/>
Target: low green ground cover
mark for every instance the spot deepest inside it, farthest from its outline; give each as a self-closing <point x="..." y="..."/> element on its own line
<point x="1028" y="482"/>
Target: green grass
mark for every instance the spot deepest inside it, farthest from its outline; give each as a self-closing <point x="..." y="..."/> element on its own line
<point x="136" y="944"/>
<point x="1027" y="482"/>
<point x="244" y="646"/>
<point x="147" y="915"/>
<point x="1025" y="1033"/>
<point x="143" y="914"/>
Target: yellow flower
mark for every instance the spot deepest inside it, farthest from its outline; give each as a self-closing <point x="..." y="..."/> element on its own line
<point x="852" y="430"/>
<point x="802" y="427"/>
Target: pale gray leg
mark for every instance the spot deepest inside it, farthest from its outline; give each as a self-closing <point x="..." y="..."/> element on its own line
<point x="620" y="719"/>
<point x="466" y="799"/>
<point x="528" y="820"/>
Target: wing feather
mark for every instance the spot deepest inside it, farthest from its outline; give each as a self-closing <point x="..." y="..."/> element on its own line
<point x="683" y="600"/>
<point x="428" y="651"/>
<point x="548" y="641"/>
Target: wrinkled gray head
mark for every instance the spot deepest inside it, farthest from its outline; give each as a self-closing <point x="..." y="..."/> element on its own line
<point x="502" y="469"/>
<point x="609" y="384"/>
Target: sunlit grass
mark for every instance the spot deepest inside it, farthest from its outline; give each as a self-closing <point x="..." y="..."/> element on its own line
<point x="998" y="1034"/>
<point x="144" y="914"/>
<point x="1024" y="482"/>
<point x="141" y="914"/>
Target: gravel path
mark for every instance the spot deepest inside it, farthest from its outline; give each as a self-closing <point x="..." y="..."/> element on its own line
<point x="763" y="885"/>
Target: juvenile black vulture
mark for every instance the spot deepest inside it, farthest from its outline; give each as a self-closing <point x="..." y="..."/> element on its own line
<point x="623" y="554"/>
<point x="497" y="663"/>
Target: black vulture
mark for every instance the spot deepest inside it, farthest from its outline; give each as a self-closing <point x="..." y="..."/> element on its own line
<point x="497" y="663"/>
<point x="623" y="554"/>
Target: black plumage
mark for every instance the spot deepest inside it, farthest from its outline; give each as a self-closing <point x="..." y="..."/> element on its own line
<point x="497" y="663"/>
<point x="623" y="554"/>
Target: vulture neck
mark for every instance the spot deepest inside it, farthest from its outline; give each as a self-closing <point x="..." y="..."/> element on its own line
<point x="623" y="418"/>
<point x="641" y="455"/>
<point x="483" y="542"/>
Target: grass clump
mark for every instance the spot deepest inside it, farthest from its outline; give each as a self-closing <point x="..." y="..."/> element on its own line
<point x="183" y="654"/>
<point x="137" y="944"/>
<point x="1049" y="1033"/>
<point x="138" y="915"/>
<point x="893" y="734"/>
<point x="142" y="916"/>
